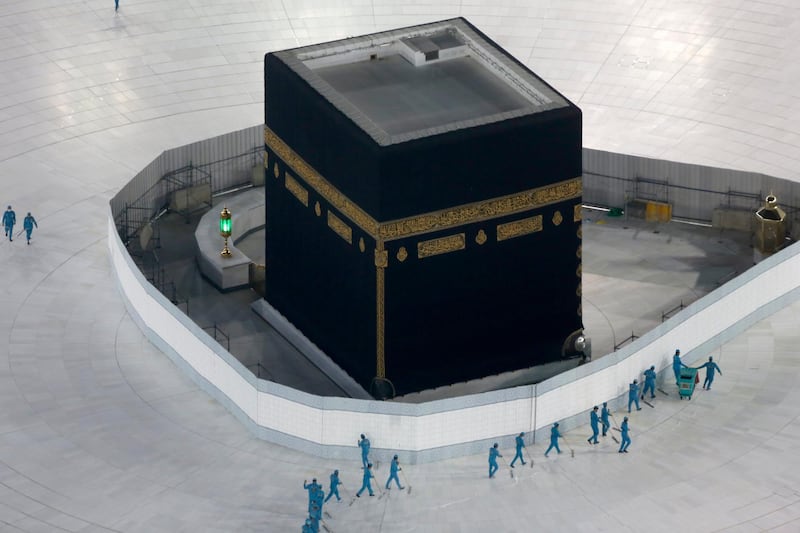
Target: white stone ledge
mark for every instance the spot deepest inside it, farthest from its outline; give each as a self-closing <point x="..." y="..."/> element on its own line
<point x="247" y="214"/>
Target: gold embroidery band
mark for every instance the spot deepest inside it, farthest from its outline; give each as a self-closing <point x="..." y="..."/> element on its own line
<point x="481" y="211"/>
<point x="442" y="245"/>
<point x="518" y="228"/>
<point x="340" y="228"/>
<point x="297" y="190"/>
<point x="380" y="273"/>
<point x="302" y="169"/>
<point x="428" y="222"/>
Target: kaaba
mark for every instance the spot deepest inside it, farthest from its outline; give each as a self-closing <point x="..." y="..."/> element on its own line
<point x="423" y="193"/>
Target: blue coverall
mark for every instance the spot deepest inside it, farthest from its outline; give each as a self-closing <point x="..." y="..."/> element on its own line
<point x="593" y="421"/>
<point x="520" y="444"/>
<point x="649" y="382"/>
<point x="393" y="469"/>
<point x="676" y="367"/>
<point x="319" y="500"/>
<point x="493" y="455"/>
<point x="366" y="485"/>
<point x="626" y="440"/>
<point x="27" y="223"/>
<point x="9" y="219"/>
<point x="604" y="418"/>
<point x="710" y="367"/>
<point x="311" y="488"/>
<point x="334" y="487"/>
<point x="633" y="396"/>
<point x="554" y="435"/>
<point x="316" y="513"/>
<point x="364" y="445"/>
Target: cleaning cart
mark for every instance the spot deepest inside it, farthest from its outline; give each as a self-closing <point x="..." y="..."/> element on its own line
<point x="687" y="382"/>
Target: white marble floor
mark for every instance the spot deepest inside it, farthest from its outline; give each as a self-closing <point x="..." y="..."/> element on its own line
<point x="94" y="422"/>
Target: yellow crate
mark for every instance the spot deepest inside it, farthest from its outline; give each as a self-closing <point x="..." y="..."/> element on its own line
<point x="658" y="212"/>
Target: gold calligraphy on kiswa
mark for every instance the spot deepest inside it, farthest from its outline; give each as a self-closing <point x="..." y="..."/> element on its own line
<point x="340" y="228"/>
<point x="518" y="228"/>
<point x="427" y="222"/>
<point x="296" y="189"/>
<point x="480" y="211"/>
<point x="442" y="245"/>
<point x="330" y="193"/>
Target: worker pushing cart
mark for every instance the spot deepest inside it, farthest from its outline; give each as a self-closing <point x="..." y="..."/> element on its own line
<point x="686" y="382"/>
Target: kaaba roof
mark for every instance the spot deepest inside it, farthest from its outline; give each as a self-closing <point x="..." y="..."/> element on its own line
<point x="422" y="80"/>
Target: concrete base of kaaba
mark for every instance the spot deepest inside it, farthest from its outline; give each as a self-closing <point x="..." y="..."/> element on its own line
<point x="296" y="338"/>
<point x="505" y="380"/>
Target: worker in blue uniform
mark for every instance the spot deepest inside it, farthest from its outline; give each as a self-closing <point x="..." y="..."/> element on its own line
<point x="520" y="444"/>
<point x="316" y="517"/>
<point x="9" y="219"/>
<point x="649" y="382"/>
<point x="394" y="468"/>
<point x="594" y="422"/>
<point x="710" y="367"/>
<point x="494" y="453"/>
<point x="334" y="490"/>
<point x="366" y="485"/>
<point x="319" y="499"/>
<point x="27" y="224"/>
<point x="604" y="418"/>
<point x="316" y="511"/>
<point x="554" y="436"/>
<point x="311" y="488"/>
<point x="676" y="365"/>
<point x="364" y="445"/>
<point x="633" y="395"/>
<point x="626" y="439"/>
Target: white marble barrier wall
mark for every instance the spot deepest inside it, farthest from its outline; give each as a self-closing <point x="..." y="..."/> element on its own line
<point x="456" y="426"/>
<point x="173" y="328"/>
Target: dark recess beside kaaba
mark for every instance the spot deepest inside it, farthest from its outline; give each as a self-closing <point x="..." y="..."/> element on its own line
<point x="423" y="193"/>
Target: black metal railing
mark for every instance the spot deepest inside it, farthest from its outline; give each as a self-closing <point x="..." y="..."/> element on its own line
<point x="626" y="341"/>
<point x="260" y="371"/>
<point x="219" y="335"/>
<point x="155" y="200"/>
<point x="666" y="315"/>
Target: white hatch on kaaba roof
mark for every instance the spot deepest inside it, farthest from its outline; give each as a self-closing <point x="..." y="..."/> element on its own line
<point x="424" y="80"/>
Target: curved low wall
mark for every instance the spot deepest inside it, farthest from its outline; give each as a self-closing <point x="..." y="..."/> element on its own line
<point x="329" y="427"/>
<point x="247" y="215"/>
